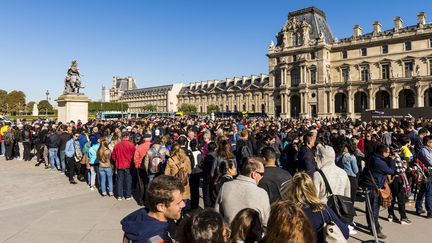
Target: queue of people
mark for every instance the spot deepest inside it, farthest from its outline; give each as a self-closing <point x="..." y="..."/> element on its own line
<point x="261" y="179"/>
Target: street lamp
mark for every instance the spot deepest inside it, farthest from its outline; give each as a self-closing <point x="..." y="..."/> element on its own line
<point x="46" y="108"/>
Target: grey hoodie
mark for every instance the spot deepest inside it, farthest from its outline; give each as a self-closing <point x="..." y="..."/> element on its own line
<point x="336" y="177"/>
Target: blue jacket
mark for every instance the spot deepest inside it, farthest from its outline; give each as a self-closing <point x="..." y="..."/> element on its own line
<point x="69" y="149"/>
<point x="92" y="154"/>
<point x="379" y="167"/>
<point x="139" y="227"/>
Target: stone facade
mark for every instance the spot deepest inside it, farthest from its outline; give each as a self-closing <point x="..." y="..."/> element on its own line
<point x="250" y="94"/>
<point x="316" y="75"/>
<point x="119" y="86"/>
<point x="163" y="97"/>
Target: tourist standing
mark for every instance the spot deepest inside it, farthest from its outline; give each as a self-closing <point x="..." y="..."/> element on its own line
<point x="122" y="155"/>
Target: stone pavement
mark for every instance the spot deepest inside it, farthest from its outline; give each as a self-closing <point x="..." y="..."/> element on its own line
<point x="39" y="206"/>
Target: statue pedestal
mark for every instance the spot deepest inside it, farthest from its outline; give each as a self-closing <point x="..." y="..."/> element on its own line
<point x="72" y="107"/>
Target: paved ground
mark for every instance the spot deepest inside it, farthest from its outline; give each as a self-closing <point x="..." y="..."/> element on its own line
<point x="39" y="206"/>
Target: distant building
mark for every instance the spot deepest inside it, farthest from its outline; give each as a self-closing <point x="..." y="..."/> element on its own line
<point x="119" y="86"/>
<point x="250" y="94"/>
<point x="163" y="97"/>
<point x="105" y="94"/>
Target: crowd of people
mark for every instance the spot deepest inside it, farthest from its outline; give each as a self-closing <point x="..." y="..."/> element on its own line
<point x="261" y="179"/>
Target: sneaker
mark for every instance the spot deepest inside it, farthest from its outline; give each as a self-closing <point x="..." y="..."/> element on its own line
<point x="381" y="235"/>
<point x="47" y="167"/>
<point x="92" y="188"/>
<point x="119" y="198"/>
<point x="421" y="211"/>
<point x="37" y="164"/>
<point x="73" y="182"/>
<point x="390" y="218"/>
<point x="111" y="194"/>
<point x="405" y="221"/>
<point x="352" y="231"/>
<point x="104" y="194"/>
<point x="128" y="198"/>
<point x="61" y="173"/>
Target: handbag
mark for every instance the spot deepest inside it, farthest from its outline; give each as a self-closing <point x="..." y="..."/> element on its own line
<point x="341" y="205"/>
<point x="331" y="232"/>
<point x="384" y="193"/>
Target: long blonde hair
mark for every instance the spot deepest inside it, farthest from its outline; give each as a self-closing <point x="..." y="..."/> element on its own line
<point x="287" y="223"/>
<point x="101" y="151"/>
<point x="301" y="191"/>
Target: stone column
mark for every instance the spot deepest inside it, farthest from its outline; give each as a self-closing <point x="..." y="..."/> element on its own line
<point x="393" y="99"/>
<point x="420" y="100"/>
<point x="371" y="99"/>
<point x="288" y="106"/>
<point x="350" y="100"/>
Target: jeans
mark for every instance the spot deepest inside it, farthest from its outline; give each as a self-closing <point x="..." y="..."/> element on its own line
<point x="398" y="193"/>
<point x="375" y="206"/>
<point x="26" y="153"/>
<point x="53" y="158"/>
<point x="194" y="183"/>
<point x="104" y="174"/>
<point x="63" y="160"/>
<point x="92" y="174"/>
<point x="425" y="192"/>
<point x="3" y="149"/>
<point x="124" y="182"/>
<point x="72" y="167"/>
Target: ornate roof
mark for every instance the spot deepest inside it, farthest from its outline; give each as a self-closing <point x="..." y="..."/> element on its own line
<point x="229" y="85"/>
<point x="147" y="91"/>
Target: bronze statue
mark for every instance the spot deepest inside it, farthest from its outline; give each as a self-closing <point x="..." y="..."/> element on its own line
<point x="73" y="79"/>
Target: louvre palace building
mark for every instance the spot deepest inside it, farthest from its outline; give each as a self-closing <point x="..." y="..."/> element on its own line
<point x="314" y="74"/>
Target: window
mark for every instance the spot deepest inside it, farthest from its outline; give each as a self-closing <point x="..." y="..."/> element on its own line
<point x="297" y="39"/>
<point x="344" y="54"/>
<point x="313" y="76"/>
<point x="295" y="76"/>
<point x="312" y="55"/>
<point x="364" y="73"/>
<point x="384" y="49"/>
<point x="430" y="67"/>
<point x="407" y="45"/>
<point x="408" y="69"/>
<point x="345" y="74"/>
<point x="385" y="69"/>
<point x="364" y="52"/>
<point x="294" y="58"/>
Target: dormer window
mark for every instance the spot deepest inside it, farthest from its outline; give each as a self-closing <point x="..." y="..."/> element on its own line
<point x="407" y="45"/>
<point x="345" y="54"/>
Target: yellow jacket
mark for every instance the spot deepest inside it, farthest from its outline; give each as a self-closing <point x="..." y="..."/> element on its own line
<point x="3" y="129"/>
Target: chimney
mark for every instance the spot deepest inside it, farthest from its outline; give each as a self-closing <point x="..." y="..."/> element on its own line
<point x="357" y="31"/>
<point x="377" y="27"/>
<point x="129" y="83"/>
<point x="244" y="78"/>
<point x="398" y="23"/>
<point x="253" y="77"/>
<point x="236" y="79"/>
<point x="216" y="82"/>
<point x="228" y="81"/>
<point x="421" y="19"/>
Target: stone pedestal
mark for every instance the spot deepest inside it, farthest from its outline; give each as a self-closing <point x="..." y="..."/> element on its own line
<point x="35" y="111"/>
<point x="72" y="107"/>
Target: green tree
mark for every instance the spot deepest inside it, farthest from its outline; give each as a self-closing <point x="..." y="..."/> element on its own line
<point x="107" y="106"/>
<point x="149" y="107"/>
<point x="29" y="107"/>
<point x="188" y="109"/>
<point x="212" y="108"/>
<point x="3" y="94"/>
<point x="15" y="100"/>
<point x="45" y="107"/>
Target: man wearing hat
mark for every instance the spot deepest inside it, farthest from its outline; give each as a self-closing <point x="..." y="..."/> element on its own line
<point x="122" y="155"/>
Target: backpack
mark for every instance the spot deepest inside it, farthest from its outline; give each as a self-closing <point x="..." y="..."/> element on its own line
<point x="182" y="175"/>
<point x="156" y="162"/>
<point x="78" y="154"/>
<point x="245" y="151"/>
<point x="331" y="232"/>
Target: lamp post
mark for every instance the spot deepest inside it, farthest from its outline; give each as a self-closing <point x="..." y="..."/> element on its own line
<point x="46" y="108"/>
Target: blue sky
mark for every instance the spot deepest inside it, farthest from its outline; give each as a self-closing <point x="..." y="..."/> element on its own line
<point x="159" y="42"/>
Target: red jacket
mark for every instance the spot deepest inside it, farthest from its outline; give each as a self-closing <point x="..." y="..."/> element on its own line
<point x="122" y="154"/>
<point x="140" y="153"/>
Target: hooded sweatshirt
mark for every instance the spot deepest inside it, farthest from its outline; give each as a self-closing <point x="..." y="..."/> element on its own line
<point x="336" y="177"/>
<point x="141" y="228"/>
